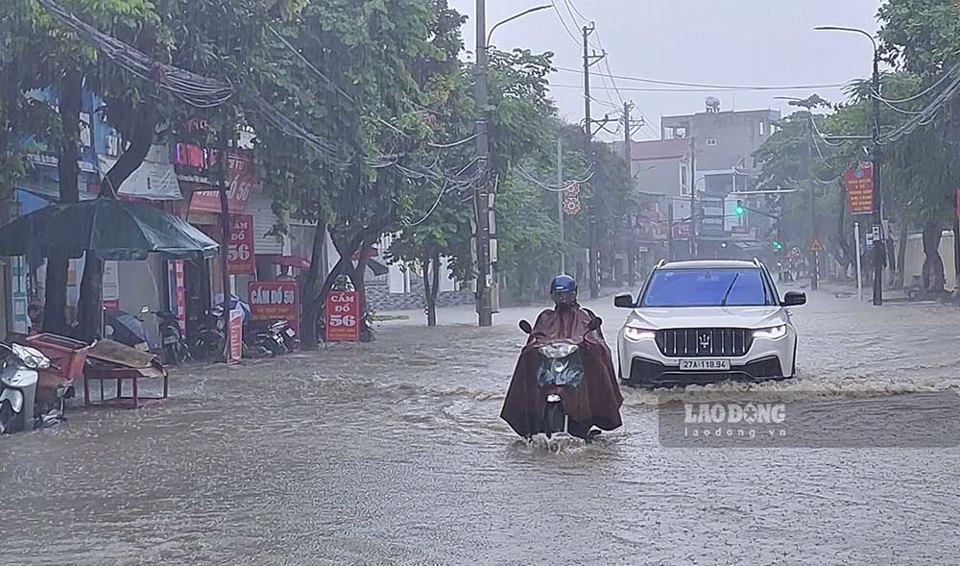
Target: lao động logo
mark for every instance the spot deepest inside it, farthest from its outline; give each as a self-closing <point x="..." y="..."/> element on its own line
<point x="734" y="420"/>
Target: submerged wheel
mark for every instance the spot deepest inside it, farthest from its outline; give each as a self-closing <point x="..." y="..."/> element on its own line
<point x="553" y="419"/>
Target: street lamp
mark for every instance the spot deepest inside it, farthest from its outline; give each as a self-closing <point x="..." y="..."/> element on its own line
<point x="481" y="192"/>
<point x="516" y="17"/>
<point x="879" y="248"/>
<point x="809" y="103"/>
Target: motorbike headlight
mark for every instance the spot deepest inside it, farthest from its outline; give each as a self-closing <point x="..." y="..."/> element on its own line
<point x="636" y="334"/>
<point x="557" y="351"/>
<point x="31" y="357"/>
<point x="772" y="333"/>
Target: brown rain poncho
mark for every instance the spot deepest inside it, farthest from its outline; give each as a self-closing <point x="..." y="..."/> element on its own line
<point x="596" y="402"/>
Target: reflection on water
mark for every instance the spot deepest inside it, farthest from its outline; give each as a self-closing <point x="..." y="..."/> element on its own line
<point x="391" y="453"/>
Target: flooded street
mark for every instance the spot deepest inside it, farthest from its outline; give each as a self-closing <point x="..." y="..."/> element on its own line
<point x="393" y="453"/>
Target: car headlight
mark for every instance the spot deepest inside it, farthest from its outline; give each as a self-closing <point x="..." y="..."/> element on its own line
<point x="772" y="333"/>
<point x="636" y="334"/>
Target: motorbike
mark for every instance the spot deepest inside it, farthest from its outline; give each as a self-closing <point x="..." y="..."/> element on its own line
<point x="19" y="375"/>
<point x="560" y="369"/>
<point x="261" y="339"/>
<point x="211" y="335"/>
<point x="174" y="345"/>
<point x="274" y="336"/>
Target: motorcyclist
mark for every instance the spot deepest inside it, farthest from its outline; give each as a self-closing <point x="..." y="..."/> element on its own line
<point x="597" y="401"/>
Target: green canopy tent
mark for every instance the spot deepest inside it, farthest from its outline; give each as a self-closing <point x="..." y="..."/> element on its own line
<point x="110" y="229"/>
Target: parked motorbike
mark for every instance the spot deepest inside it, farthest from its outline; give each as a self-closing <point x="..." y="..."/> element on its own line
<point x="19" y="375"/>
<point x="561" y="368"/>
<point x="211" y="336"/>
<point x="260" y="339"/>
<point x="174" y="345"/>
<point x="274" y="336"/>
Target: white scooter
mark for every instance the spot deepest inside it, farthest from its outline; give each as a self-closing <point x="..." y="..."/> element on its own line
<point x="18" y="385"/>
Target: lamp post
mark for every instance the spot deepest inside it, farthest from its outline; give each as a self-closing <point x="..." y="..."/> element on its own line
<point x="879" y="248"/>
<point x="809" y="103"/>
<point x="481" y="194"/>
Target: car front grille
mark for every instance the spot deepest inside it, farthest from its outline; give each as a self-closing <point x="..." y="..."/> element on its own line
<point x="704" y="342"/>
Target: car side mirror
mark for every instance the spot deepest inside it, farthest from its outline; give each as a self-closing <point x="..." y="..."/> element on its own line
<point x="525" y="326"/>
<point x="794" y="299"/>
<point x="595" y="324"/>
<point x="624" y="301"/>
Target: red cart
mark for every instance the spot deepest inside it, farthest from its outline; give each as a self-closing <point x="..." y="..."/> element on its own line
<point x="67" y="356"/>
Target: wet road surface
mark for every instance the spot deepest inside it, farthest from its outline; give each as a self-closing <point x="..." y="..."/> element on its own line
<point x="392" y="453"/>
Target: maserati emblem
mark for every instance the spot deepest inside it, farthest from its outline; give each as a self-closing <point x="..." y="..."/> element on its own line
<point x="705" y="340"/>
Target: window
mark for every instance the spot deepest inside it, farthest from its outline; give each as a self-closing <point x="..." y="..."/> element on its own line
<point x="763" y="128"/>
<point x="707" y="288"/>
<point x="711" y="142"/>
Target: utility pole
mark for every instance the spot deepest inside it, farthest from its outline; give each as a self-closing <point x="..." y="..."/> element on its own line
<point x="693" y="198"/>
<point x="670" y="230"/>
<point x="628" y="159"/>
<point x="563" y="239"/>
<point x="481" y="194"/>
<point x="814" y="255"/>
<point x="588" y="61"/>
<point x="879" y="246"/>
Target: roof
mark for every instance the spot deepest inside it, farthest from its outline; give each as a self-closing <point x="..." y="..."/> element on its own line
<point x="659" y="149"/>
<point x="710" y="264"/>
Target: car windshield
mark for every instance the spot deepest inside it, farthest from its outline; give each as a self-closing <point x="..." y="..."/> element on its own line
<point x="707" y="288"/>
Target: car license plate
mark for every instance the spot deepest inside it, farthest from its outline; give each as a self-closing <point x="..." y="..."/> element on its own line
<point x="291" y="333"/>
<point x="705" y="365"/>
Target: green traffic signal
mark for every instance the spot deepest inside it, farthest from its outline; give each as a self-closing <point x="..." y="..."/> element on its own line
<point x="739" y="210"/>
<point x="777" y="245"/>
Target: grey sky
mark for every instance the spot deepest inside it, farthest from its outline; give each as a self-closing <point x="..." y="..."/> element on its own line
<point x="724" y="42"/>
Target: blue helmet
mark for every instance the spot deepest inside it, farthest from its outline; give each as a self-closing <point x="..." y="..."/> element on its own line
<point x="563" y="289"/>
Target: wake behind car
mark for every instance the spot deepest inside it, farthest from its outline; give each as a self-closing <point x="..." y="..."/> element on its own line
<point x="698" y="322"/>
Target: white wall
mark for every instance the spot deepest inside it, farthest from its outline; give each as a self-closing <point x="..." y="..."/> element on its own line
<point x="913" y="258"/>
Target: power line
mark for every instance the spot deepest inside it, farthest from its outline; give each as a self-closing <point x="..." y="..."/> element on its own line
<point x="710" y="86"/>
<point x="563" y="22"/>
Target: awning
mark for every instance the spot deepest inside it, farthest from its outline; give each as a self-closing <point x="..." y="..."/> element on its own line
<point x="155" y="179"/>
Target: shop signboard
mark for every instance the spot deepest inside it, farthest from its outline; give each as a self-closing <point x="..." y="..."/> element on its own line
<point x="272" y="300"/>
<point x="236" y="336"/>
<point x="111" y="285"/>
<point x="860" y="189"/>
<point x="342" y="316"/>
<point x="240" y="254"/>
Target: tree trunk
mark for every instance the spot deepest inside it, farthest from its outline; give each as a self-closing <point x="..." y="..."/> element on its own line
<point x="902" y="254"/>
<point x="91" y="285"/>
<point x="429" y="305"/>
<point x="311" y="308"/>
<point x="58" y="264"/>
<point x="933" y="275"/>
<point x="891" y="259"/>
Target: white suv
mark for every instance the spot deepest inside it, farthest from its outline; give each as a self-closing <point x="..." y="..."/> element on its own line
<point x="707" y="321"/>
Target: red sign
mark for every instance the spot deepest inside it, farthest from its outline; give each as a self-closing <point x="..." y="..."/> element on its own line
<point x="342" y="316"/>
<point x="241" y="179"/>
<point x="240" y="254"/>
<point x="860" y="189"/>
<point x="236" y="336"/>
<point x="271" y="300"/>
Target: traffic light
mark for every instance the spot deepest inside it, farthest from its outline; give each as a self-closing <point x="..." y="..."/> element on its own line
<point x="739" y="210"/>
<point x="777" y="245"/>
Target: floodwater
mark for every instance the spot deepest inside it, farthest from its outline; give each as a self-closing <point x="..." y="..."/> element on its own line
<point x="392" y="453"/>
